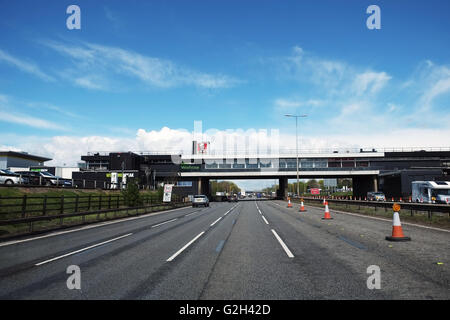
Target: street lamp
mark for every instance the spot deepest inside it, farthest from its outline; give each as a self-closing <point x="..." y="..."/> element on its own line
<point x="296" y="143"/>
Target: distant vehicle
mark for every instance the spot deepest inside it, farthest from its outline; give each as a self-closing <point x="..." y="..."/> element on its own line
<point x="233" y="198"/>
<point x="431" y="191"/>
<point x="258" y="195"/>
<point x="200" y="200"/>
<point x="45" y="178"/>
<point x="376" y="196"/>
<point x="9" y="177"/>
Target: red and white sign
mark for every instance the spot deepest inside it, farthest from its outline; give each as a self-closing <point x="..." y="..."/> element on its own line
<point x="315" y="191"/>
<point x="167" y="192"/>
<point x="202" y="147"/>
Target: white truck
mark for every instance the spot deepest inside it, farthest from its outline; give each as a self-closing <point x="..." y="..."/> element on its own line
<point x="431" y="191"/>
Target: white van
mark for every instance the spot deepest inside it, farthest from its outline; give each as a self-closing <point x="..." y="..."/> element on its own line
<point x="431" y="191"/>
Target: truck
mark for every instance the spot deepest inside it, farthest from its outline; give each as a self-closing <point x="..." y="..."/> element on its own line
<point x="431" y="191"/>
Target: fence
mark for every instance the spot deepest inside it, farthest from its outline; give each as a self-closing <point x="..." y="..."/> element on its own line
<point x="387" y="205"/>
<point x="27" y="214"/>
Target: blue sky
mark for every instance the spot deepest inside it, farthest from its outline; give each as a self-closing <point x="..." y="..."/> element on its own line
<point x="139" y="73"/>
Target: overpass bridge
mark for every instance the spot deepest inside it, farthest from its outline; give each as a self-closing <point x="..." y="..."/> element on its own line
<point x="372" y="170"/>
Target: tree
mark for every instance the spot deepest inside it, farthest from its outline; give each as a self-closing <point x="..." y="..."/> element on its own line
<point x="313" y="184"/>
<point x="131" y="195"/>
<point x="347" y="182"/>
<point x="224" y="186"/>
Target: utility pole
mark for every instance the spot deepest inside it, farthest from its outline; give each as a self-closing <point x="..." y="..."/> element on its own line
<point x="296" y="145"/>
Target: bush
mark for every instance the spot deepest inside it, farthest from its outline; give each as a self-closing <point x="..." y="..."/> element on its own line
<point x="160" y="193"/>
<point x="131" y="195"/>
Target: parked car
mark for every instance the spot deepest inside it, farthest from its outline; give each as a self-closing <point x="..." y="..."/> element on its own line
<point x="376" y="196"/>
<point x="9" y="177"/>
<point x="200" y="200"/>
<point x="45" y="178"/>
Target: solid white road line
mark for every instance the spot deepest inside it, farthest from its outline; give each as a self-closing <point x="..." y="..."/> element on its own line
<point x="87" y="227"/>
<point x="160" y="224"/>
<point x="184" y="248"/>
<point x="81" y="250"/>
<point x="230" y="210"/>
<point x="283" y="245"/>
<point x="264" y="219"/>
<point x="215" y="222"/>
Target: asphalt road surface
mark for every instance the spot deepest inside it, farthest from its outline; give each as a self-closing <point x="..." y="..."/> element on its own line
<point x="244" y="250"/>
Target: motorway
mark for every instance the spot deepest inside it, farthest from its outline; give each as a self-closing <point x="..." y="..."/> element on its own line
<point x="244" y="250"/>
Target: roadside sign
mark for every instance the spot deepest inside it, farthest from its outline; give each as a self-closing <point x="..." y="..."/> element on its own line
<point x="315" y="191"/>
<point x="167" y="192"/>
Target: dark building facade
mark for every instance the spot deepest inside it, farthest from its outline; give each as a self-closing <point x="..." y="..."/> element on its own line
<point x="390" y="172"/>
<point x="399" y="169"/>
<point x="109" y="170"/>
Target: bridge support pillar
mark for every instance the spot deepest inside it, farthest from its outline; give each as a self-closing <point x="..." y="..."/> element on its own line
<point x="199" y="186"/>
<point x="282" y="188"/>
<point x="364" y="184"/>
<point x="203" y="187"/>
<point x="375" y="183"/>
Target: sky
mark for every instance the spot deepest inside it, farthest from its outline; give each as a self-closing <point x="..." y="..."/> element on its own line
<point x="138" y="74"/>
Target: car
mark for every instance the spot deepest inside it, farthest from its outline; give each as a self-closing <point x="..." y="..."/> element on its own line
<point x="45" y="178"/>
<point x="232" y="199"/>
<point x="31" y="177"/>
<point x="200" y="200"/>
<point x="376" y="196"/>
<point x="55" y="180"/>
<point x="9" y="177"/>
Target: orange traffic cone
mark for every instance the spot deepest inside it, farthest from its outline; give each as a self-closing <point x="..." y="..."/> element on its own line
<point x="302" y="207"/>
<point x="397" y="232"/>
<point x="401" y="199"/>
<point x="289" y="203"/>
<point x="323" y="201"/>
<point x="327" y="212"/>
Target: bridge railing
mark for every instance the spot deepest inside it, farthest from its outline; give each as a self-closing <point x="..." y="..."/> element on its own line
<point x="281" y="151"/>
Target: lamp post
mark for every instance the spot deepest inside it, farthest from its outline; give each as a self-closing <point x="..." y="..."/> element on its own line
<point x="296" y="144"/>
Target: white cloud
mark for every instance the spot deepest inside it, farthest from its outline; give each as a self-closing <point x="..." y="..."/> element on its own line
<point x="17" y="111"/>
<point x="93" y="61"/>
<point x="441" y="87"/>
<point x="290" y="105"/>
<point x="22" y="119"/>
<point x="89" y="83"/>
<point x="370" y="82"/>
<point x="284" y="103"/>
<point x="24" y="66"/>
